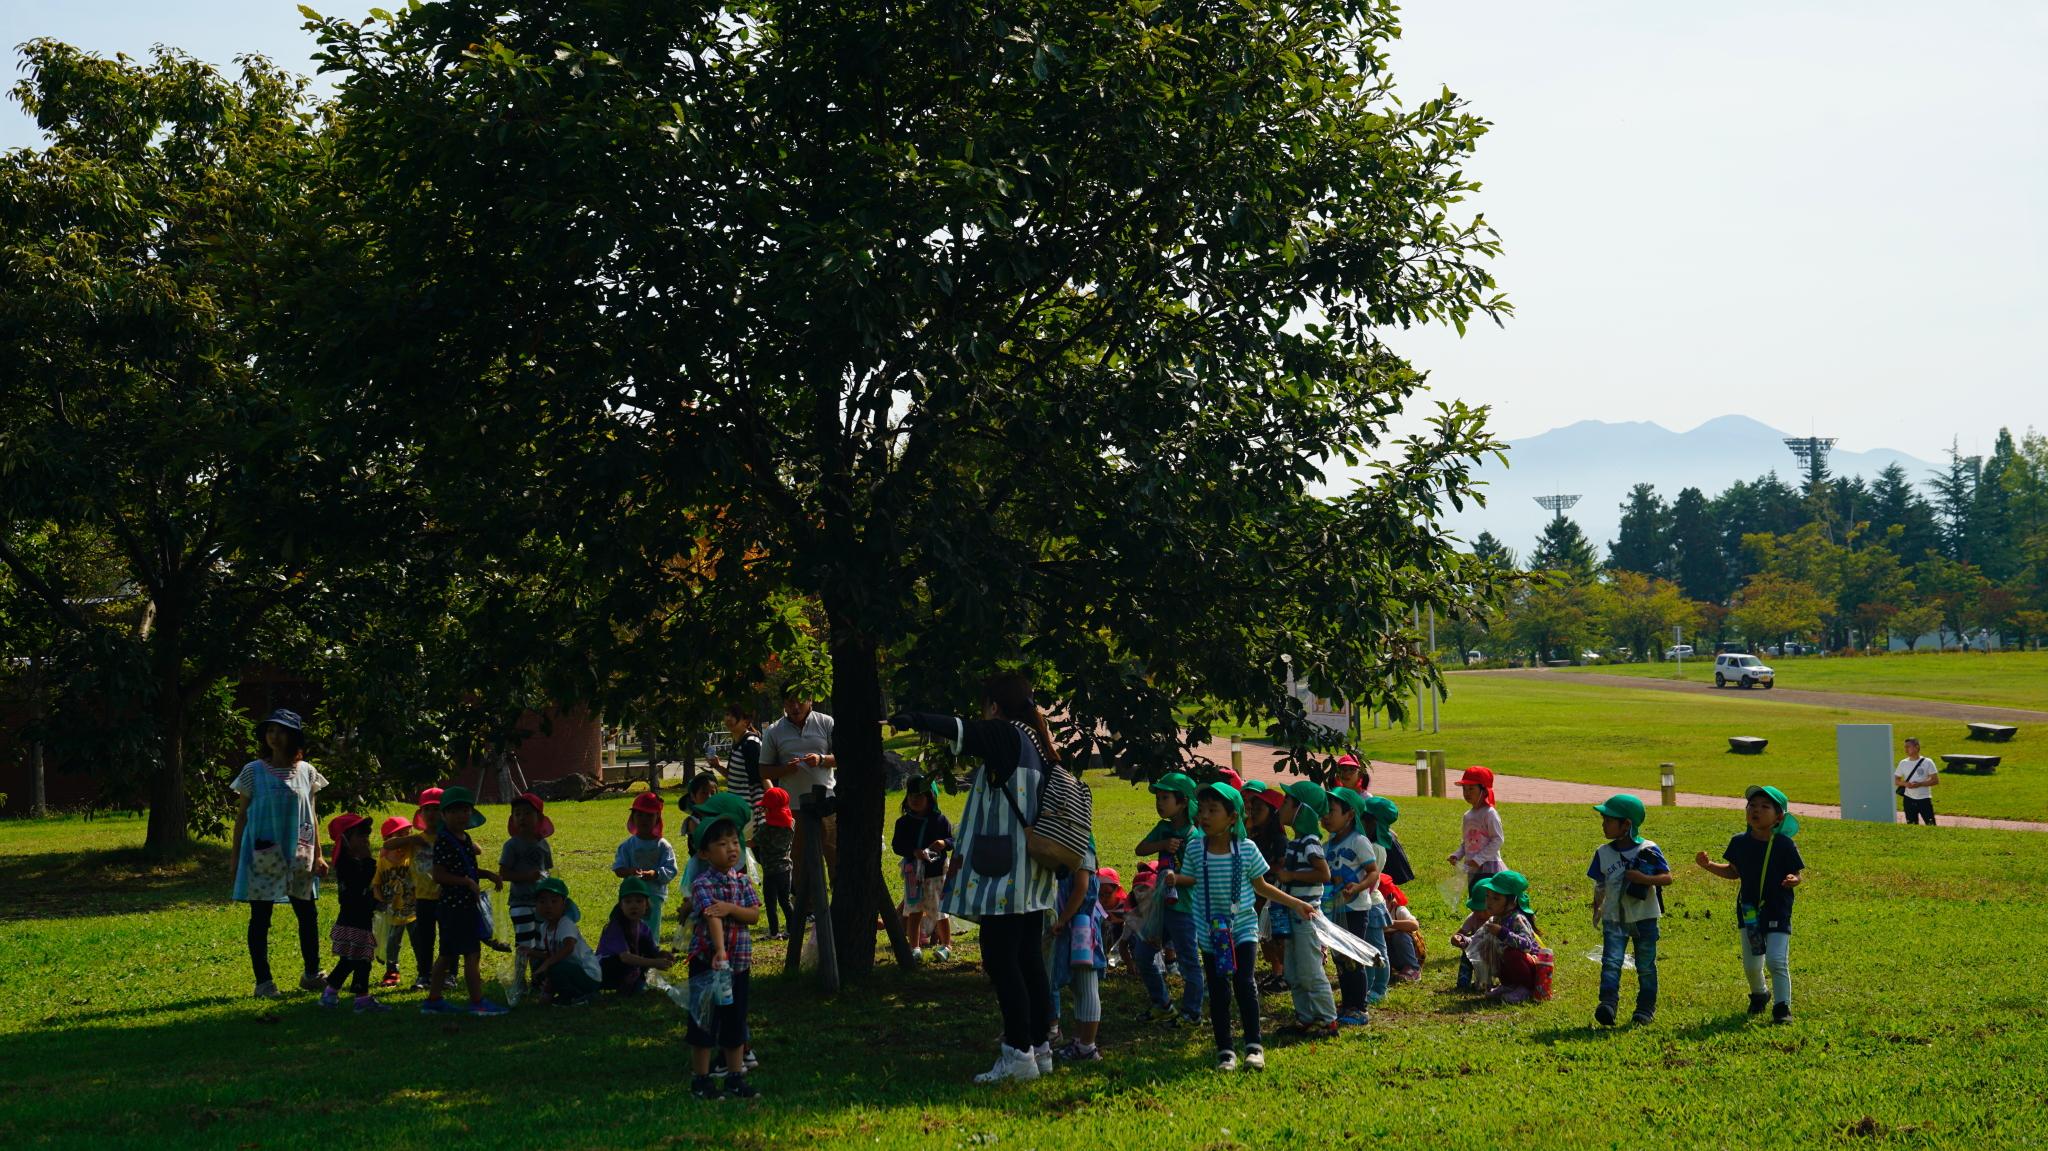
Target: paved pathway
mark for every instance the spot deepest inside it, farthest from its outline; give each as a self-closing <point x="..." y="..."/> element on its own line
<point x="1398" y="779"/>
<point x="1896" y="705"/>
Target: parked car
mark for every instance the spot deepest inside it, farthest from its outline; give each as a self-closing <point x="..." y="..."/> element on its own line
<point x="1743" y="670"/>
<point x="1677" y="649"/>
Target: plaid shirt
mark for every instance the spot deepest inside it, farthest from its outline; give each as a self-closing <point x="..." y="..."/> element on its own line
<point x="727" y="887"/>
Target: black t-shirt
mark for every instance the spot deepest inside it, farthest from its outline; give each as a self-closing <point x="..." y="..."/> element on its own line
<point x="1775" y="904"/>
<point x="352" y="882"/>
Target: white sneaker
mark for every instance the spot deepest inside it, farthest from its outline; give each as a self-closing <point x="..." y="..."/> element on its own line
<point x="917" y="953"/>
<point x="1226" y="1061"/>
<point x="268" y="990"/>
<point x="1042" y="1056"/>
<point x="943" y="954"/>
<point x="1011" y="1064"/>
<point x="1255" y="1059"/>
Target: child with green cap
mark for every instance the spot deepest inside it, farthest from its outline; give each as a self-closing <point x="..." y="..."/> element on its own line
<point x="1767" y="863"/>
<point x="455" y="869"/>
<point x="626" y="950"/>
<point x="1171" y="796"/>
<point x="1627" y="872"/>
<point x="1304" y="871"/>
<point x="1499" y="938"/>
<point x="567" y="969"/>
<point x="1225" y="870"/>
<point x="1351" y="898"/>
<point x="723" y="906"/>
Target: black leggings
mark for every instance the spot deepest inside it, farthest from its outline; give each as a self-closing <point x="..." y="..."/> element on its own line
<point x="343" y="968"/>
<point x="422" y="931"/>
<point x="1010" y="953"/>
<point x="1246" y="981"/>
<point x="777" y="895"/>
<point x="259" y="936"/>
<point x="1350" y="976"/>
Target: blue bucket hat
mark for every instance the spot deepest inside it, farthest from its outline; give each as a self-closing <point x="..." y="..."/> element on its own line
<point x="283" y="717"/>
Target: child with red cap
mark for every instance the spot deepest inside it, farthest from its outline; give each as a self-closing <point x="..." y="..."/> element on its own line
<point x="645" y="855"/>
<point x="523" y="862"/>
<point x="772" y="839"/>
<point x="1478" y="856"/>
<point x="354" y="871"/>
<point x="397" y="892"/>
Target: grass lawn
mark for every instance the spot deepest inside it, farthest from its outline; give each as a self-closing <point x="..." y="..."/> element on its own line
<point x="125" y="1024"/>
<point x="1592" y="733"/>
<point x="2003" y="679"/>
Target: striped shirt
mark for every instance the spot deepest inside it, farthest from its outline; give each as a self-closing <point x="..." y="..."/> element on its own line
<point x="1025" y="887"/>
<point x="1223" y="887"/>
<point x="743" y="774"/>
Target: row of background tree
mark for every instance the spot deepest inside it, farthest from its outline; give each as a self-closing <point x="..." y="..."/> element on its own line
<point x="1844" y="563"/>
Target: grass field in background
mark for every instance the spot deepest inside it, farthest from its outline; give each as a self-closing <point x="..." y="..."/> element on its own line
<point x="123" y="1024"/>
<point x="1616" y="736"/>
<point x="2001" y="679"/>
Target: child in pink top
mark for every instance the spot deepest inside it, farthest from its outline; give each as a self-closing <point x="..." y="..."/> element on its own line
<point x="1479" y="855"/>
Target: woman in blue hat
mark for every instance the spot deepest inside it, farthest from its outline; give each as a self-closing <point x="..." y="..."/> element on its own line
<point x="276" y="847"/>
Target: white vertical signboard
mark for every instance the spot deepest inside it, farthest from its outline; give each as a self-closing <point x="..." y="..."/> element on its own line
<point x="1863" y="754"/>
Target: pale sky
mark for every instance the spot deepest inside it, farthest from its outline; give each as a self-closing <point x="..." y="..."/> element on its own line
<point x="1827" y="215"/>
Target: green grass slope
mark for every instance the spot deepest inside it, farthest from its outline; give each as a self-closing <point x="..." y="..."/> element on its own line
<point x="123" y="1024"/>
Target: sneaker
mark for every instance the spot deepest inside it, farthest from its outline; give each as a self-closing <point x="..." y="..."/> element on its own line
<point x="329" y="998"/>
<point x="1226" y="1060"/>
<point x="1041" y="1055"/>
<point x="1178" y="1021"/>
<point x="750" y="1063"/>
<point x="497" y="945"/>
<point x="1604" y="1015"/>
<point x="1375" y="998"/>
<point x="1758" y="1001"/>
<point x="266" y="990"/>
<point x="486" y="1007"/>
<point x="1411" y="974"/>
<point x="313" y="981"/>
<point x="1254" y="1058"/>
<point x="1154" y="1013"/>
<point x="737" y="1087"/>
<point x="1643" y="1018"/>
<point x="392" y="978"/>
<point x="441" y="1007"/>
<point x="1354" y="1019"/>
<point x="917" y="954"/>
<point x="576" y="1001"/>
<point x="1781" y="1013"/>
<point x="1011" y="1064"/>
<point x="368" y="1003"/>
<point x="1078" y="1052"/>
<point x="943" y="954"/>
<point x="705" y="1087"/>
<point x="1516" y="995"/>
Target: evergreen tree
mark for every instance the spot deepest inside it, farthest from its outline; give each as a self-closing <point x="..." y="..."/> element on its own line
<point x="1697" y="564"/>
<point x="1955" y="496"/>
<point x="1768" y="505"/>
<point x="1487" y="547"/>
<point x="1895" y="503"/>
<point x="1563" y="547"/>
<point x="1992" y="546"/>
<point x="1645" y="536"/>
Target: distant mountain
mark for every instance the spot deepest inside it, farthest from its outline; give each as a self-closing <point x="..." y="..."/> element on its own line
<point x="1601" y="462"/>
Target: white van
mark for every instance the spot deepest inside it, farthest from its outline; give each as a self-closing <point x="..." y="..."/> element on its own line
<point x="1744" y="670"/>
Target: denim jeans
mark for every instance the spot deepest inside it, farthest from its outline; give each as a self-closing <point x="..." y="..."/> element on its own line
<point x="1777" y="956"/>
<point x="1614" y="942"/>
<point x="1376" y="920"/>
<point x="1313" y="1002"/>
<point x="1180" y="932"/>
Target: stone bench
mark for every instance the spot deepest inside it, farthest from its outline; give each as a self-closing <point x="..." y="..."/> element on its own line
<point x="1995" y="732"/>
<point x="1747" y="744"/>
<point x="1972" y="764"/>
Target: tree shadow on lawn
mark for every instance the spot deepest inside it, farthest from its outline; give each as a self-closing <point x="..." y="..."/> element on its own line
<point x="118" y="881"/>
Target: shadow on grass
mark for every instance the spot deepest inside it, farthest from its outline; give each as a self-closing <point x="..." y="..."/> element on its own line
<point x="117" y="881"/>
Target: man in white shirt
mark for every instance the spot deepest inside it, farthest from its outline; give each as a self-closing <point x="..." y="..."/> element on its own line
<point x="1919" y="776"/>
<point x="796" y="754"/>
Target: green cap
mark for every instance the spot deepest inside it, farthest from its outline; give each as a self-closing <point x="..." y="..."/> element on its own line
<point x="553" y="885"/>
<point x="1232" y="799"/>
<point x="1624" y="807"/>
<point x="1252" y="785"/>
<point x="1383" y="813"/>
<point x="462" y="797"/>
<point x="710" y="821"/>
<point x="636" y="886"/>
<point x="1351" y="800"/>
<point x="1176" y="783"/>
<point x="1314" y="801"/>
<point x="1509" y="883"/>
<point x="1788" y="823"/>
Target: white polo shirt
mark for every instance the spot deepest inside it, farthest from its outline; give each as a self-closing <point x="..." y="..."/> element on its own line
<point x="1910" y="769"/>
<point x="784" y="741"/>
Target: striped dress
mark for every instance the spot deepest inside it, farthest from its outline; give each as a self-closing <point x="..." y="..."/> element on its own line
<point x="1026" y="887"/>
<point x="743" y="775"/>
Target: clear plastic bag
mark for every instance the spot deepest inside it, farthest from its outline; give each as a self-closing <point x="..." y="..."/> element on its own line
<point x="707" y="994"/>
<point x="513" y="981"/>
<point x="1628" y="962"/>
<point x="678" y="995"/>
<point x="1454" y="889"/>
<point x="487" y="919"/>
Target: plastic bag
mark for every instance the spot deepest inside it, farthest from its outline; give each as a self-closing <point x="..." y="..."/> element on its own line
<point x="1455" y="890"/>
<point x="708" y="992"/>
<point x="808" y="960"/>
<point x="380" y="930"/>
<point x="486" y="919"/>
<point x="1346" y="944"/>
<point x="1628" y="962"/>
<point x="513" y="981"/>
<point x="677" y="995"/>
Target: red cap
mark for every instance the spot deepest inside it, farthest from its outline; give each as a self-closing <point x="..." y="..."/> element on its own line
<point x="649" y="802"/>
<point x="1272" y="797"/>
<point x="431" y="797"/>
<point x="1392" y="891"/>
<point x="1478" y="777"/>
<point x="395" y="827"/>
<point x="547" y="826"/>
<point x="1350" y="760"/>
<point x="342" y="824"/>
<point x="1107" y="877"/>
<point x="775" y="808"/>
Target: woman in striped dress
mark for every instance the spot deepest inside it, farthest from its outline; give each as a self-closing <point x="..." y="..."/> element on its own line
<point x="993" y="881"/>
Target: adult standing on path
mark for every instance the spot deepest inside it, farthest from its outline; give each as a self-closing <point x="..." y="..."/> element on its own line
<point x="796" y="752"/>
<point x="1918" y="777"/>
<point x="995" y="882"/>
<point x="276" y="851"/>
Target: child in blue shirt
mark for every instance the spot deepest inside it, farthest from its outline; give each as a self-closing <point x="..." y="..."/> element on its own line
<point x="1172" y="796"/>
<point x="1626" y="872"/>
<point x="1224" y="870"/>
<point x="1304" y="872"/>
<point x="1352" y="898"/>
<point x="646" y="856"/>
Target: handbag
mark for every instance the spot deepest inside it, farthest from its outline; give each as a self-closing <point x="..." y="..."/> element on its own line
<point x="1398" y="868"/>
<point x="1900" y="790"/>
<point x="1058" y="839"/>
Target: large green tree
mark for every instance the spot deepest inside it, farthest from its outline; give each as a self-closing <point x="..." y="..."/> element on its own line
<point x="975" y="325"/>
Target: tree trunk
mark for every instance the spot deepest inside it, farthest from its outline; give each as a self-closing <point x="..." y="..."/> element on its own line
<point x="861" y="788"/>
<point x="168" y="815"/>
<point x="38" y="793"/>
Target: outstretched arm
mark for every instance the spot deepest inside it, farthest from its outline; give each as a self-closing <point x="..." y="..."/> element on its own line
<point x="1724" y="870"/>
